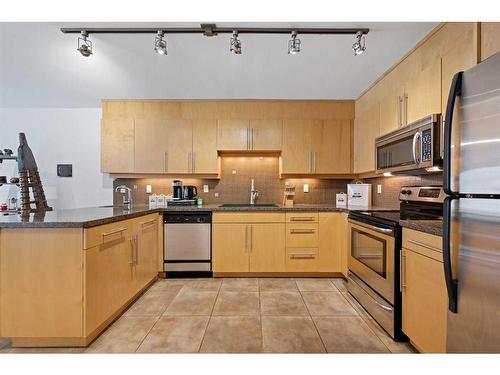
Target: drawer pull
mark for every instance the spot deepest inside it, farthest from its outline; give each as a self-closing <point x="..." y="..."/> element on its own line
<point x="149" y="222"/>
<point x="302" y="256"/>
<point x="302" y="231"/>
<point x="418" y="243"/>
<point x="302" y="219"/>
<point x="111" y="232"/>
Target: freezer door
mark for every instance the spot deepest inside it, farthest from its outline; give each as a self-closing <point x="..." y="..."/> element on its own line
<point x="475" y="244"/>
<point x="479" y="131"/>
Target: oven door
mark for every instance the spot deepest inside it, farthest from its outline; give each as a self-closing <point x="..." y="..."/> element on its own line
<point x="371" y="256"/>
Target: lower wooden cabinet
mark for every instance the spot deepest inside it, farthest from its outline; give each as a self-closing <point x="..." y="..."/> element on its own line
<point x="264" y="243"/>
<point x="63" y="286"/>
<point x="424" y="292"/>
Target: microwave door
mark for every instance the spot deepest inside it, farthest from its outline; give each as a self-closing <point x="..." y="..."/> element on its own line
<point x="399" y="154"/>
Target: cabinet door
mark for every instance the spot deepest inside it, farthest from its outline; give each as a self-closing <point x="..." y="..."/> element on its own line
<point x="266" y="135"/>
<point x="391" y="109"/>
<point x="232" y="135"/>
<point x="424" y="302"/>
<point x="151" y="146"/>
<point x="423" y="92"/>
<point x="179" y="138"/>
<point x="267" y="247"/>
<point x="109" y="280"/>
<point x="117" y="146"/>
<point x="230" y="247"/>
<point x="146" y="250"/>
<point x="298" y="145"/>
<point x="329" y="242"/>
<point x="366" y="129"/>
<point x="490" y="39"/>
<point x="333" y="147"/>
<point x="205" y="147"/>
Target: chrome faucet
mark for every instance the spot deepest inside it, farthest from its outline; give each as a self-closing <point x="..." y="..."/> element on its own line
<point x="253" y="193"/>
<point x="127" y="200"/>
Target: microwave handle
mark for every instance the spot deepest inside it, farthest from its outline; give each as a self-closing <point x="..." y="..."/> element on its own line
<point x="455" y="90"/>
<point x="416" y="155"/>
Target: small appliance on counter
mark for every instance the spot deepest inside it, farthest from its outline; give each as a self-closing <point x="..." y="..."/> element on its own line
<point x="189" y="192"/>
<point x="359" y="195"/>
<point x="341" y="200"/>
<point x="177" y="189"/>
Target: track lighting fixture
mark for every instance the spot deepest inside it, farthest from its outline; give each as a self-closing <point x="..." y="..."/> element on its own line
<point x="235" y="46"/>
<point x="359" y="46"/>
<point x="84" y="45"/>
<point x="294" y="44"/>
<point x="160" y="44"/>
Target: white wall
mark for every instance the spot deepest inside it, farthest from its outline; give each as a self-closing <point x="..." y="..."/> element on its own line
<point x="59" y="136"/>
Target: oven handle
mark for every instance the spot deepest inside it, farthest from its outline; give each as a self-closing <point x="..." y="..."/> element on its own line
<point x="373" y="227"/>
<point x="416" y="158"/>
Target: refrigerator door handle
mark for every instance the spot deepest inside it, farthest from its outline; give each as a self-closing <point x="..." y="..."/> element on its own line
<point x="455" y="90"/>
<point x="451" y="284"/>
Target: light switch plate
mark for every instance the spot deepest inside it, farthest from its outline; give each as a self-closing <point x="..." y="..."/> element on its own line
<point x="306" y="188"/>
<point x="205" y="188"/>
<point x="148" y="188"/>
<point x="379" y="189"/>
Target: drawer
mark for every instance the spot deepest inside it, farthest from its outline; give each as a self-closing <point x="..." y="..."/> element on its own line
<point x="301" y="235"/>
<point x="302" y="259"/>
<point x="423" y="243"/>
<point x="147" y="221"/>
<point x="248" y="217"/>
<point x="107" y="233"/>
<point x="301" y="217"/>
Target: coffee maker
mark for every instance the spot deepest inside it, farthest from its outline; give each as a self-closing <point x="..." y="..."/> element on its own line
<point x="177" y="189"/>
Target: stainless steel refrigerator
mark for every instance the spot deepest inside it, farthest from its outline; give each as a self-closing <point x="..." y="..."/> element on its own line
<point x="471" y="228"/>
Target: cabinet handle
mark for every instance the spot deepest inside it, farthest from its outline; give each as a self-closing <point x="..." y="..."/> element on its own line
<point x="418" y="243"/>
<point x="405" y="107"/>
<point x="302" y="255"/>
<point x="302" y="230"/>
<point x="251" y="237"/>
<point x="302" y="219"/>
<point x="147" y="222"/>
<point x="131" y="261"/>
<point x="402" y="266"/>
<point x="310" y="161"/>
<point x="136" y="249"/>
<point x="251" y="134"/>
<point x="246" y="238"/>
<point x="119" y="230"/>
<point x="399" y="105"/>
<point x="314" y="161"/>
<point x="190" y="163"/>
<point x="248" y="138"/>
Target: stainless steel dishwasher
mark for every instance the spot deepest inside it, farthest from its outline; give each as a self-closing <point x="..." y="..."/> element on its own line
<point x="187" y="246"/>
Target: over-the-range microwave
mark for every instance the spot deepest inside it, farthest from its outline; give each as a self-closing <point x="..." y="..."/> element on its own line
<point x="413" y="149"/>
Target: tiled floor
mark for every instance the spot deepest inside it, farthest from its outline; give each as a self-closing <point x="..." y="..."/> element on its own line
<point x="243" y="315"/>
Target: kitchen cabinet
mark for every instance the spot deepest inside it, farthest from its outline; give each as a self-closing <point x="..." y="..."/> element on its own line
<point x="424" y="295"/>
<point x="366" y="129"/>
<point x="249" y="135"/>
<point x="422" y="95"/>
<point x="490" y="39"/>
<point x="229" y="247"/>
<point x="267" y="247"/>
<point x="391" y="108"/>
<point x="74" y="282"/>
<point x="205" y="157"/>
<point x="266" y="135"/>
<point x="233" y="135"/>
<point x="316" y="147"/>
<point x="117" y="145"/>
<point x="151" y="146"/>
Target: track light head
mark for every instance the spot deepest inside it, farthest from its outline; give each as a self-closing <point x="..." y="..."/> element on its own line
<point x="160" y="44"/>
<point x="294" y="44"/>
<point x="84" y="45"/>
<point x="359" y="46"/>
<point x="235" y="45"/>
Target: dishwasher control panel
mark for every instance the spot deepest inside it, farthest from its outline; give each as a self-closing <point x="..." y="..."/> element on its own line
<point x="187" y="217"/>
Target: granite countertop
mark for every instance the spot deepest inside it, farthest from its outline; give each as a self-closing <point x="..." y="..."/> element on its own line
<point x="93" y="216"/>
<point x="434" y="227"/>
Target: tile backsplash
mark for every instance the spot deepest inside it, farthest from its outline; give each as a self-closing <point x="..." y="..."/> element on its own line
<point x="237" y="172"/>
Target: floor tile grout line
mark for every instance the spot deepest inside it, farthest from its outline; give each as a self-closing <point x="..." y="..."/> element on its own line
<point x="311" y="317"/>
<point x="209" y="318"/>
<point x="146" y="335"/>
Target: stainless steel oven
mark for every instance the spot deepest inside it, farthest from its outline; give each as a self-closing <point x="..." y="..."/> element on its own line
<point x="372" y="256"/>
<point x="411" y="149"/>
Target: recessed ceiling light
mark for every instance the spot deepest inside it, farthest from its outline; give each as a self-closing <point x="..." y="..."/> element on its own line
<point x="294" y="44"/>
<point x="84" y="44"/>
<point x="235" y="45"/>
<point x="359" y="46"/>
<point x="160" y="44"/>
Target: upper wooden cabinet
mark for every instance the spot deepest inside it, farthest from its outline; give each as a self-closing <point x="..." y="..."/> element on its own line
<point x="490" y="39"/>
<point x="249" y="135"/>
<point x="298" y="144"/>
<point x="205" y="147"/>
<point x="366" y="129"/>
<point x="117" y="145"/>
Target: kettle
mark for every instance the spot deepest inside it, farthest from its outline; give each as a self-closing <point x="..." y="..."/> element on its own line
<point x="189" y="192"/>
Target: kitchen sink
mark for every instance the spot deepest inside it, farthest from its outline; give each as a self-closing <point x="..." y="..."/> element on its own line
<point x="245" y="205"/>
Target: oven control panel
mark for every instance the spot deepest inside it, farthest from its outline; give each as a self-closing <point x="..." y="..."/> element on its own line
<point x="427" y="145"/>
<point x="422" y="193"/>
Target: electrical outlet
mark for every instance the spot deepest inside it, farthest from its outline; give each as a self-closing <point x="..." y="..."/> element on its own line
<point x="216" y="195"/>
<point x="379" y="189"/>
<point x="306" y="188"/>
<point x="205" y="188"/>
<point x="148" y="189"/>
<point x="234" y="171"/>
<point x="135" y="187"/>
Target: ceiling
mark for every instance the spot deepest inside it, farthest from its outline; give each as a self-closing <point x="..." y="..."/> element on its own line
<point x="40" y="67"/>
